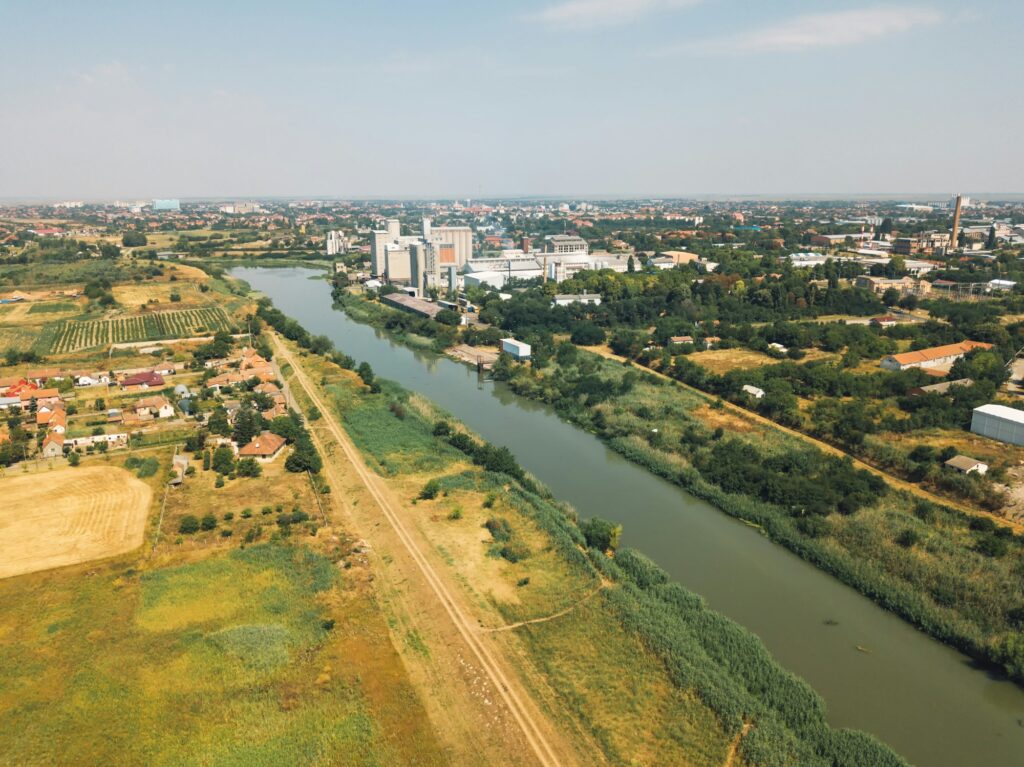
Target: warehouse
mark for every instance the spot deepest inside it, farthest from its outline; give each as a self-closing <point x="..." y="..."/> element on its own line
<point x="1005" y="424"/>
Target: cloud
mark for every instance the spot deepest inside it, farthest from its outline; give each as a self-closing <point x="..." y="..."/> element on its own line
<point x="817" y="30"/>
<point x="597" y="13"/>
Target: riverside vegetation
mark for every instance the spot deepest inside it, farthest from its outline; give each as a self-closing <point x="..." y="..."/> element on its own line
<point x="959" y="578"/>
<point x="716" y="681"/>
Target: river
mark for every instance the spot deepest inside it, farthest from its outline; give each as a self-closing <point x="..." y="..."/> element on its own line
<point x="924" y="699"/>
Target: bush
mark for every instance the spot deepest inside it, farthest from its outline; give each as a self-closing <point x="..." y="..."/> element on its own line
<point x="499" y="528"/>
<point x="442" y="429"/>
<point x="209" y="522"/>
<point x="248" y="467"/>
<point x="992" y="546"/>
<point x="601" y="534"/>
<point x="219" y="482"/>
<point x="430" y="490"/>
<point x="908" y="538"/>
<point x="189" y="524"/>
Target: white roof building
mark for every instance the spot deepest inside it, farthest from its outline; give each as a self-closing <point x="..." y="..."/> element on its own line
<point x="999" y="422"/>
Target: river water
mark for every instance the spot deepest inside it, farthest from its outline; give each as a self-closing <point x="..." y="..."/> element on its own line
<point x="924" y="699"/>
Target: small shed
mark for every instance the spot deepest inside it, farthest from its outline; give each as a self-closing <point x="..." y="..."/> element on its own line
<point x="753" y="391"/>
<point x="966" y="464"/>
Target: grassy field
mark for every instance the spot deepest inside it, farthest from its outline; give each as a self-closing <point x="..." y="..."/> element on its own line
<point x="56" y="307"/>
<point x="69" y="515"/>
<point x="262" y="656"/>
<point x="721" y="361"/>
<point x="239" y="506"/>
<point x="150" y="293"/>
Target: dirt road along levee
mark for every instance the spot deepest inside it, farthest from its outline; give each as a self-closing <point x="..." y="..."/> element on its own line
<point x="537" y="732"/>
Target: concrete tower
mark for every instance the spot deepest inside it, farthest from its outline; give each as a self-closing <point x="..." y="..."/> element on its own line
<point x="955" y="238"/>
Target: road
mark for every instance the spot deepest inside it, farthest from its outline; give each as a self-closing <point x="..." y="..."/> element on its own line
<point x="535" y="729"/>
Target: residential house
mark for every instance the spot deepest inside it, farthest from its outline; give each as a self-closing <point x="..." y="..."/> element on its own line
<point x="148" y="379"/>
<point x="263" y="448"/>
<point x="42" y="397"/>
<point x="154" y="407"/>
<point x="53" y="445"/>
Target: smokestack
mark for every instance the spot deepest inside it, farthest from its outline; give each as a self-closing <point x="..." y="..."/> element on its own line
<point x="955" y="239"/>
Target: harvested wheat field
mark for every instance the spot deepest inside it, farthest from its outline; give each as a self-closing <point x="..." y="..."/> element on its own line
<point x="69" y="516"/>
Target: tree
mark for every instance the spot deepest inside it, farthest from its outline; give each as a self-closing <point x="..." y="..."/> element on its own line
<point x="248" y="424"/>
<point x="223" y="460"/>
<point x="109" y="250"/>
<point x="448" y="317"/>
<point x="601" y="534"/>
<point x="134" y="239"/>
<point x="209" y="522"/>
<point x="587" y="334"/>
<point x="189" y="524"/>
<point x="218" y="422"/>
<point x="248" y="467"/>
<point x="630" y="264"/>
<point x="990" y="241"/>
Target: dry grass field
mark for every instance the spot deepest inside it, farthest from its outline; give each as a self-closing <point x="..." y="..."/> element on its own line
<point x="69" y="515"/>
<point x="723" y="360"/>
<point x="132" y="296"/>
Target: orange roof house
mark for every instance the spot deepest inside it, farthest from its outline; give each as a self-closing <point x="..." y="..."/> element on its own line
<point x="264" y="447"/>
<point x="53" y="445"/>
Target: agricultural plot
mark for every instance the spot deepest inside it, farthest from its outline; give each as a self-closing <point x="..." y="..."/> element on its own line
<point x="74" y="515"/>
<point x="74" y="336"/>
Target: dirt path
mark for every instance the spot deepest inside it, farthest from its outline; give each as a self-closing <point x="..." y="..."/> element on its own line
<point x="731" y="755"/>
<point x="894" y="481"/>
<point x="546" y="618"/>
<point x="537" y="732"/>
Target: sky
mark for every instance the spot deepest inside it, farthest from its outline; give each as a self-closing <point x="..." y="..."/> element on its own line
<point x="460" y="98"/>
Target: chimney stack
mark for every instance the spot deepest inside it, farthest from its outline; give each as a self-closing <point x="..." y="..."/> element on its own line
<point x="955" y="239"/>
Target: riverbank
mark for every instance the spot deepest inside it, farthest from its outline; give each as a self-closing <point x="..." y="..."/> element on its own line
<point x="713" y="683"/>
<point x="949" y="574"/>
<point x="924" y="698"/>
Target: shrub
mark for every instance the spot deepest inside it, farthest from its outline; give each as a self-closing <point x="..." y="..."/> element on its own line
<point x="219" y="481"/>
<point x="514" y="551"/>
<point x="430" y="490"/>
<point x="228" y="516"/>
<point x="208" y="522"/>
<point x="248" y="467"/>
<point x="442" y="429"/>
<point x="601" y="534"/>
<point x="189" y="524"/>
<point x="455" y="513"/>
<point x="499" y="528"/>
<point x="992" y="546"/>
<point x="908" y="538"/>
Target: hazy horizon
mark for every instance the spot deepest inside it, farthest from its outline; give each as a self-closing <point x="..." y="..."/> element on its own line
<point x="646" y="98"/>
